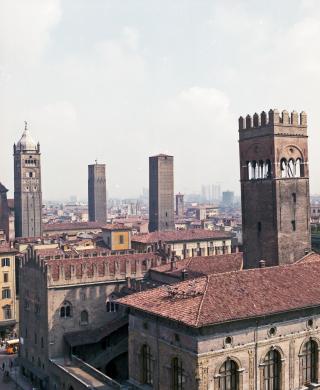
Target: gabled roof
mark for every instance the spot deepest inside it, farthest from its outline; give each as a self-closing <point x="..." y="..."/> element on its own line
<point x="180" y="236"/>
<point x="233" y="296"/>
<point x="203" y="265"/>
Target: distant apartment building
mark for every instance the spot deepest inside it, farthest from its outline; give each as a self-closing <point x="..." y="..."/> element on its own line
<point x="97" y="193"/>
<point x="228" y="198"/>
<point x="161" y="195"/>
<point x="8" y="297"/>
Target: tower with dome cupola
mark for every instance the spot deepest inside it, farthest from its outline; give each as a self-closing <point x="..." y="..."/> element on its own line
<point x="27" y="187"/>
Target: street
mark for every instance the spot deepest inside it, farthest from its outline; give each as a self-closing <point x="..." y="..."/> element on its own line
<point x="5" y="358"/>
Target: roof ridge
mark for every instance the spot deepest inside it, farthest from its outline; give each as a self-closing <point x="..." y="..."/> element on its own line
<point x="202" y="300"/>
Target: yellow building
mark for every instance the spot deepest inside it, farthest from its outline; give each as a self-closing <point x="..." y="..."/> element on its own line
<point x="117" y="237"/>
<point x="8" y="295"/>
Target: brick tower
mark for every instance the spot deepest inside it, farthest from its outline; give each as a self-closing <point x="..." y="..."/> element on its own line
<point x="161" y="195"/>
<point x="27" y="187"/>
<point x="97" y="193"/>
<point x="274" y="187"/>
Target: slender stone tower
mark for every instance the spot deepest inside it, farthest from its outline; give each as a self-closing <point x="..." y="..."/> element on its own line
<point x="161" y="195"/>
<point x="274" y="187"/>
<point x="97" y="193"/>
<point x="27" y="187"/>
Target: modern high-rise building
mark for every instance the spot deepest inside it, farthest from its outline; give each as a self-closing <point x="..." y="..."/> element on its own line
<point x="97" y="193"/>
<point x="27" y="187"/>
<point x="179" y="205"/>
<point x="274" y="187"/>
<point x="161" y="195"/>
<point x="227" y="198"/>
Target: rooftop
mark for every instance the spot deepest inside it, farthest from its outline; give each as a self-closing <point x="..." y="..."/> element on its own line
<point x="180" y="235"/>
<point x="203" y="265"/>
<point x="115" y="226"/>
<point x="50" y="227"/>
<point x="233" y="296"/>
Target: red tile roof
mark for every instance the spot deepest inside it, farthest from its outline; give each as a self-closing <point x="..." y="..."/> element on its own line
<point x="7" y="249"/>
<point x="204" y="265"/>
<point x="115" y="226"/>
<point x="232" y="296"/>
<point x="51" y="227"/>
<point x="181" y="235"/>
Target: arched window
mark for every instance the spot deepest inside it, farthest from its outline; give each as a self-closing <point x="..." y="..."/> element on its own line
<point x="111" y="306"/>
<point x="84" y="317"/>
<point x="147" y="369"/>
<point x="283" y="167"/>
<point x="229" y="376"/>
<point x="309" y="362"/>
<point x="267" y="170"/>
<point x="249" y="169"/>
<point x="177" y="370"/>
<point x="291" y="168"/>
<point x="272" y="371"/>
<point x="298" y="168"/>
<point x="66" y="310"/>
<point x="260" y="170"/>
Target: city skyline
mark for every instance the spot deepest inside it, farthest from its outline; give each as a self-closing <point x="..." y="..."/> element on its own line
<point x="146" y="89"/>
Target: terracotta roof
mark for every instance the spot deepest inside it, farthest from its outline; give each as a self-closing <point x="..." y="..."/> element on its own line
<point x="180" y="235"/>
<point x="115" y="226"/>
<point x="232" y="296"/>
<point x="310" y="257"/>
<point x="7" y="249"/>
<point x="71" y="226"/>
<point x="204" y="265"/>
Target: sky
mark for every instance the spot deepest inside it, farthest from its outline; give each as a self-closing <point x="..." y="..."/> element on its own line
<point x="121" y="80"/>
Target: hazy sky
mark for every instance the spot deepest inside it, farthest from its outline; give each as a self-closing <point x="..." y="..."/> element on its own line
<point x="119" y="80"/>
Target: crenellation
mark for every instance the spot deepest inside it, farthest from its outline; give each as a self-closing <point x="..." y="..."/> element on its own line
<point x="273" y="117"/>
<point x="256" y="120"/>
<point x="285" y="119"/>
<point x="248" y="122"/>
<point x="294" y="118"/>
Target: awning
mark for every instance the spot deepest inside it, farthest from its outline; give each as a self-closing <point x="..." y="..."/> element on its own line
<point x="92" y="336"/>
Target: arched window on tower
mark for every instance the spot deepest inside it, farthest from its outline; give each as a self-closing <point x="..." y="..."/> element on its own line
<point x="84" y="317"/>
<point x="267" y="169"/>
<point x="254" y="169"/>
<point x="291" y="168"/>
<point x="260" y="170"/>
<point x="249" y="170"/>
<point x="272" y="371"/>
<point x="298" y="168"/>
<point x="283" y="168"/>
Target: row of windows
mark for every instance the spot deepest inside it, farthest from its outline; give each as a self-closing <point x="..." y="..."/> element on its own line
<point x="66" y="310"/>
<point x="262" y="169"/>
<point x="30" y="162"/>
<point x="229" y="371"/>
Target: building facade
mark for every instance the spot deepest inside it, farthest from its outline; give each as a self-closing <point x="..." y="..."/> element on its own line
<point x="161" y="193"/>
<point x="9" y="313"/>
<point x="27" y="187"/>
<point x="274" y="187"/>
<point x="97" y="193"/>
<point x="186" y="339"/>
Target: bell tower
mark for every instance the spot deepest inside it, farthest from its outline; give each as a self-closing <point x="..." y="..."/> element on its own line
<point x="274" y="179"/>
<point x="27" y="187"/>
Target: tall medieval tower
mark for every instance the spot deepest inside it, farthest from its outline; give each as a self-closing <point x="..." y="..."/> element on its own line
<point x="161" y="195"/>
<point x="27" y="187"/>
<point x="274" y="187"/>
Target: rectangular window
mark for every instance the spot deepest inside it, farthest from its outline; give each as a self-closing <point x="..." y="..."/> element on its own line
<point x="7" y="312"/>
<point x="121" y="239"/>
<point x="293" y="223"/>
<point x="5" y="277"/>
<point x="5" y="262"/>
<point x="6" y="293"/>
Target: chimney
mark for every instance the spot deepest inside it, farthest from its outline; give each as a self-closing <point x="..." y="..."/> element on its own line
<point x="184" y="274"/>
<point x="128" y="282"/>
<point x="262" y="263"/>
<point x="173" y="261"/>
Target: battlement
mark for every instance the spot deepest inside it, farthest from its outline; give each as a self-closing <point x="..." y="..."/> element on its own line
<point x="273" y="118"/>
<point x="71" y="271"/>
